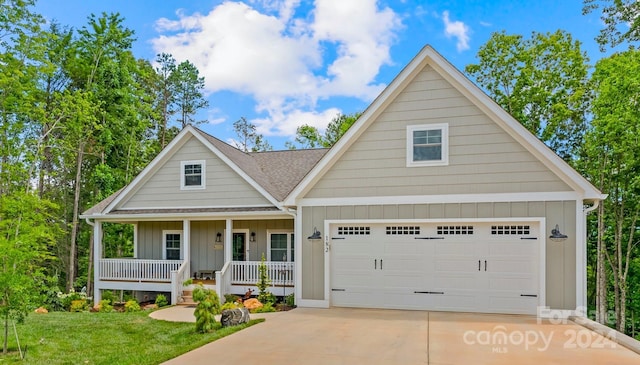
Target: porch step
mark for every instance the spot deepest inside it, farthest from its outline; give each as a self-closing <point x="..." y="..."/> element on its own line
<point x="187" y="298"/>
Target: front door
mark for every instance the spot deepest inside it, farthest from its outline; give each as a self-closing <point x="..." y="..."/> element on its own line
<point x="239" y="246"/>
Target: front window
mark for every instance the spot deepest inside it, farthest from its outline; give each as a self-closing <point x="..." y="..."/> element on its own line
<point x="427" y="145"/>
<point x="192" y="175"/>
<point x="281" y="246"/>
<point x="172" y="245"/>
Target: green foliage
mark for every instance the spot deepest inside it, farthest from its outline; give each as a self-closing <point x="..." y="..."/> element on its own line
<point x="80" y="305"/>
<point x="542" y="82"/>
<point x="187" y="88"/>
<point x="66" y="299"/>
<point x="621" y="19"/>
<point x="266" y="308"/>
<point x="310" y="137"/>
<point x="161" y="300"/>
<point x="290" y="300"/>
<point x="131" y="306"/>
<point x="231" y="298"/>
<point x="264" y="282"/>
<point x="230" y="305"/>
<point x="109" y="296"/>
<point x="208" y="306"/>
<point x="105" y="306"/>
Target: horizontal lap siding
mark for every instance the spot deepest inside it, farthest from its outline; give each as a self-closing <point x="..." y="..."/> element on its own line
<point x="224" y="187"/>
<point x="483" y="158"/>
<point x="560" y="257"/>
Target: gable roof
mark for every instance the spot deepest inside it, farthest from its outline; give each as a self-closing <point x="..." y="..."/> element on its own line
<point x="428" y="56"/>
<point x="274" y="174"/>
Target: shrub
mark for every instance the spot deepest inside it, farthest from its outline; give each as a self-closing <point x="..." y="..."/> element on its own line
<point x="131" y="306"/>
<point x="105" y="306"/>
<point x="230" y="305"/>
<point x="67" y="299"/>
<point x="266" y="308"/>
<point x="264" y="296"/>
<point x="290" y="300"/>
<point x="109" y="296"/>
<point x="80" y="305"/>
<point x="208" y="306"/>
<point x="231" y="298"/>
<point x="161" y="300"/>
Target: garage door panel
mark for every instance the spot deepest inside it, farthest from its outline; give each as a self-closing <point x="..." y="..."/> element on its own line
<point x="477" y="267"/>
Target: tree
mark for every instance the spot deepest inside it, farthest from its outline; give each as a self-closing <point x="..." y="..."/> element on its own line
<point x="27" y="229"/>
<point x="166" y="98"/>
<point x="248" y="139"/>
<point x="187" y="90"/>
<point x="542" y="82"/>
<point x="611" y="159"/>
<point x="621" y="19"/>
<point x="309" y="136"/>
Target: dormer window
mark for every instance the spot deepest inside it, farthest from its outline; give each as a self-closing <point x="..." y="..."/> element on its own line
<point x="192" y="175"/>
<point x="428" y="145"/>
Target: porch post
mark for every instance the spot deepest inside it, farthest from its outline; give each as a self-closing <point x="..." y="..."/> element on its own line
<point x="228" y="245"/>
<point x="97" y="255"/>
<point x="135" y="240"/>
<point x="186" y="232"/>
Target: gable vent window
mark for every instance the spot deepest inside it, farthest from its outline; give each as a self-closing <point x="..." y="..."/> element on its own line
<point x="354" y="231"/>
<point x="454" y="230"/>
<point x="509" y="230"/>
<point x="428" y="145"/>
<point x="401" y="230"/>
<point x="192" y="175"/>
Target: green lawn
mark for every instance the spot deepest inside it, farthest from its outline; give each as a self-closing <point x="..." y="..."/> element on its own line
<point x="105" y="338"/>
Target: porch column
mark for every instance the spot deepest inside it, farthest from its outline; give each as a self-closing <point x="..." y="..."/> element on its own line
<point x="186" y="235"/>
<point x="228" y="245"/>
<point x="97" y="255"/>
<point x="135" y="240"/>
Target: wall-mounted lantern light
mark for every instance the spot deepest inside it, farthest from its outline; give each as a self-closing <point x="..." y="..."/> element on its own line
<point x="316" y="235"/>
<point x="556" y="236"/>
<point x="218" y="237"/>
<point x="252" y="237"/>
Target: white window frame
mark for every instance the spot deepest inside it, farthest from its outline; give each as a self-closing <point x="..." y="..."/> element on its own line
<point x="290" y="243"/>
<point x="203" y="180"/>
<point x="164" y="242"/>
<point x="444" y="158"/>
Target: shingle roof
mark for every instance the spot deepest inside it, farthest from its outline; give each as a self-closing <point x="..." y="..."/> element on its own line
<point x="277" y="172"/>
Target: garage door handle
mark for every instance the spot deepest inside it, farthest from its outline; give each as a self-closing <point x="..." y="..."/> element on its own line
<point x="479" y="265"/>
<point x="528" y="238"/>
<point x="375" y="264"/>
<point x="428" y="292"/>
<point x="485" y="265"/>
<point x="529" y="295"/>
<point x="380" y="264"/>
<point x="338" y="289"/>
<point x="429" y="238"/>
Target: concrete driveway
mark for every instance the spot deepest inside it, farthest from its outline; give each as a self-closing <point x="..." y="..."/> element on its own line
<point x="370" y="336"/>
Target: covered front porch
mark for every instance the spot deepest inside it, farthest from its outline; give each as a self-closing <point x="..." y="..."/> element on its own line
<point x="224" y="254"/>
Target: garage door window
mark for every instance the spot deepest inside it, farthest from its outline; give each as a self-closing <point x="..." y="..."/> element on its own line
<point x="402" y="230"/>
<point x="508" y="230"/>
<point x="455" y="230"/>
<point x="356" y="230"/>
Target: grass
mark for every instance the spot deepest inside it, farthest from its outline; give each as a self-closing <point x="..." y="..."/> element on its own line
<point x="105" y="338"/>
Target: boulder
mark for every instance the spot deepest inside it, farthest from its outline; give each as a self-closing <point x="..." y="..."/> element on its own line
<point x="42" y="310"/>
<point x="252" y="303"/>
<point x="234" y="317"/>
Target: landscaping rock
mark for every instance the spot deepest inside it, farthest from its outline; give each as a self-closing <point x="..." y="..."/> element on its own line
<point x="252" y="303"/>
<point x="234" y="317"/>
<point x="42" y="310"/>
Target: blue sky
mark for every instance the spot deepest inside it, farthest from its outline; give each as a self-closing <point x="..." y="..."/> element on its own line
<point x="284" y="63"/>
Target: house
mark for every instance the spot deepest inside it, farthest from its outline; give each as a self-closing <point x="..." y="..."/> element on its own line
<point x="435" y="199"/>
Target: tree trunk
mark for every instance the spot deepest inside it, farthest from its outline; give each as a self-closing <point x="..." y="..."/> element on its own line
<point x="5" y="347"/>
<point x="75" y="223"/>
<point x="601" y="277"/>
<point x="90" y="265"/>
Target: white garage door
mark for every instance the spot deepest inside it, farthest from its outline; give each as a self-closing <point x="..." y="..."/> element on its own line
<point x="488" y="267"/>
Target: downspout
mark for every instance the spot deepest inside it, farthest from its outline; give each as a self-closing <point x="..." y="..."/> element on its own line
<point x="582" y="312"/>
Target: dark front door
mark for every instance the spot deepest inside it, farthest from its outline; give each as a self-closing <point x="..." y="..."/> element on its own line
<point x="239" y="247"/>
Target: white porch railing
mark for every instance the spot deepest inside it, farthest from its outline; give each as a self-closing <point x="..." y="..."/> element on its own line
<point x="129" y="269"/>
<point x="223" y="280"/>
<point x="246" y="272"/>
<point x="178" y="277"/>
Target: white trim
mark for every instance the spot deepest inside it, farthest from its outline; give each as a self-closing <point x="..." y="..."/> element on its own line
<point x="298" y="252"/>
<point x="438" y="199"/>
<point x="165" y="232"/>
<point x="201" y="207"/>
<point x="203" y="175"/>
<point x="201" y="216"/>
<point x="135" y="240"/>
<point x="246" y="242"/>
<point x="444" y="144"/>
<point x="581" y="255"/>
<point x="290" y="243"/>
<point x="542" y="242"/>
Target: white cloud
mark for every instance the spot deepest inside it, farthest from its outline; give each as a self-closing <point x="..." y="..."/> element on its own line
<point x="281" y="56"/>
<point x="458" y="30"/>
